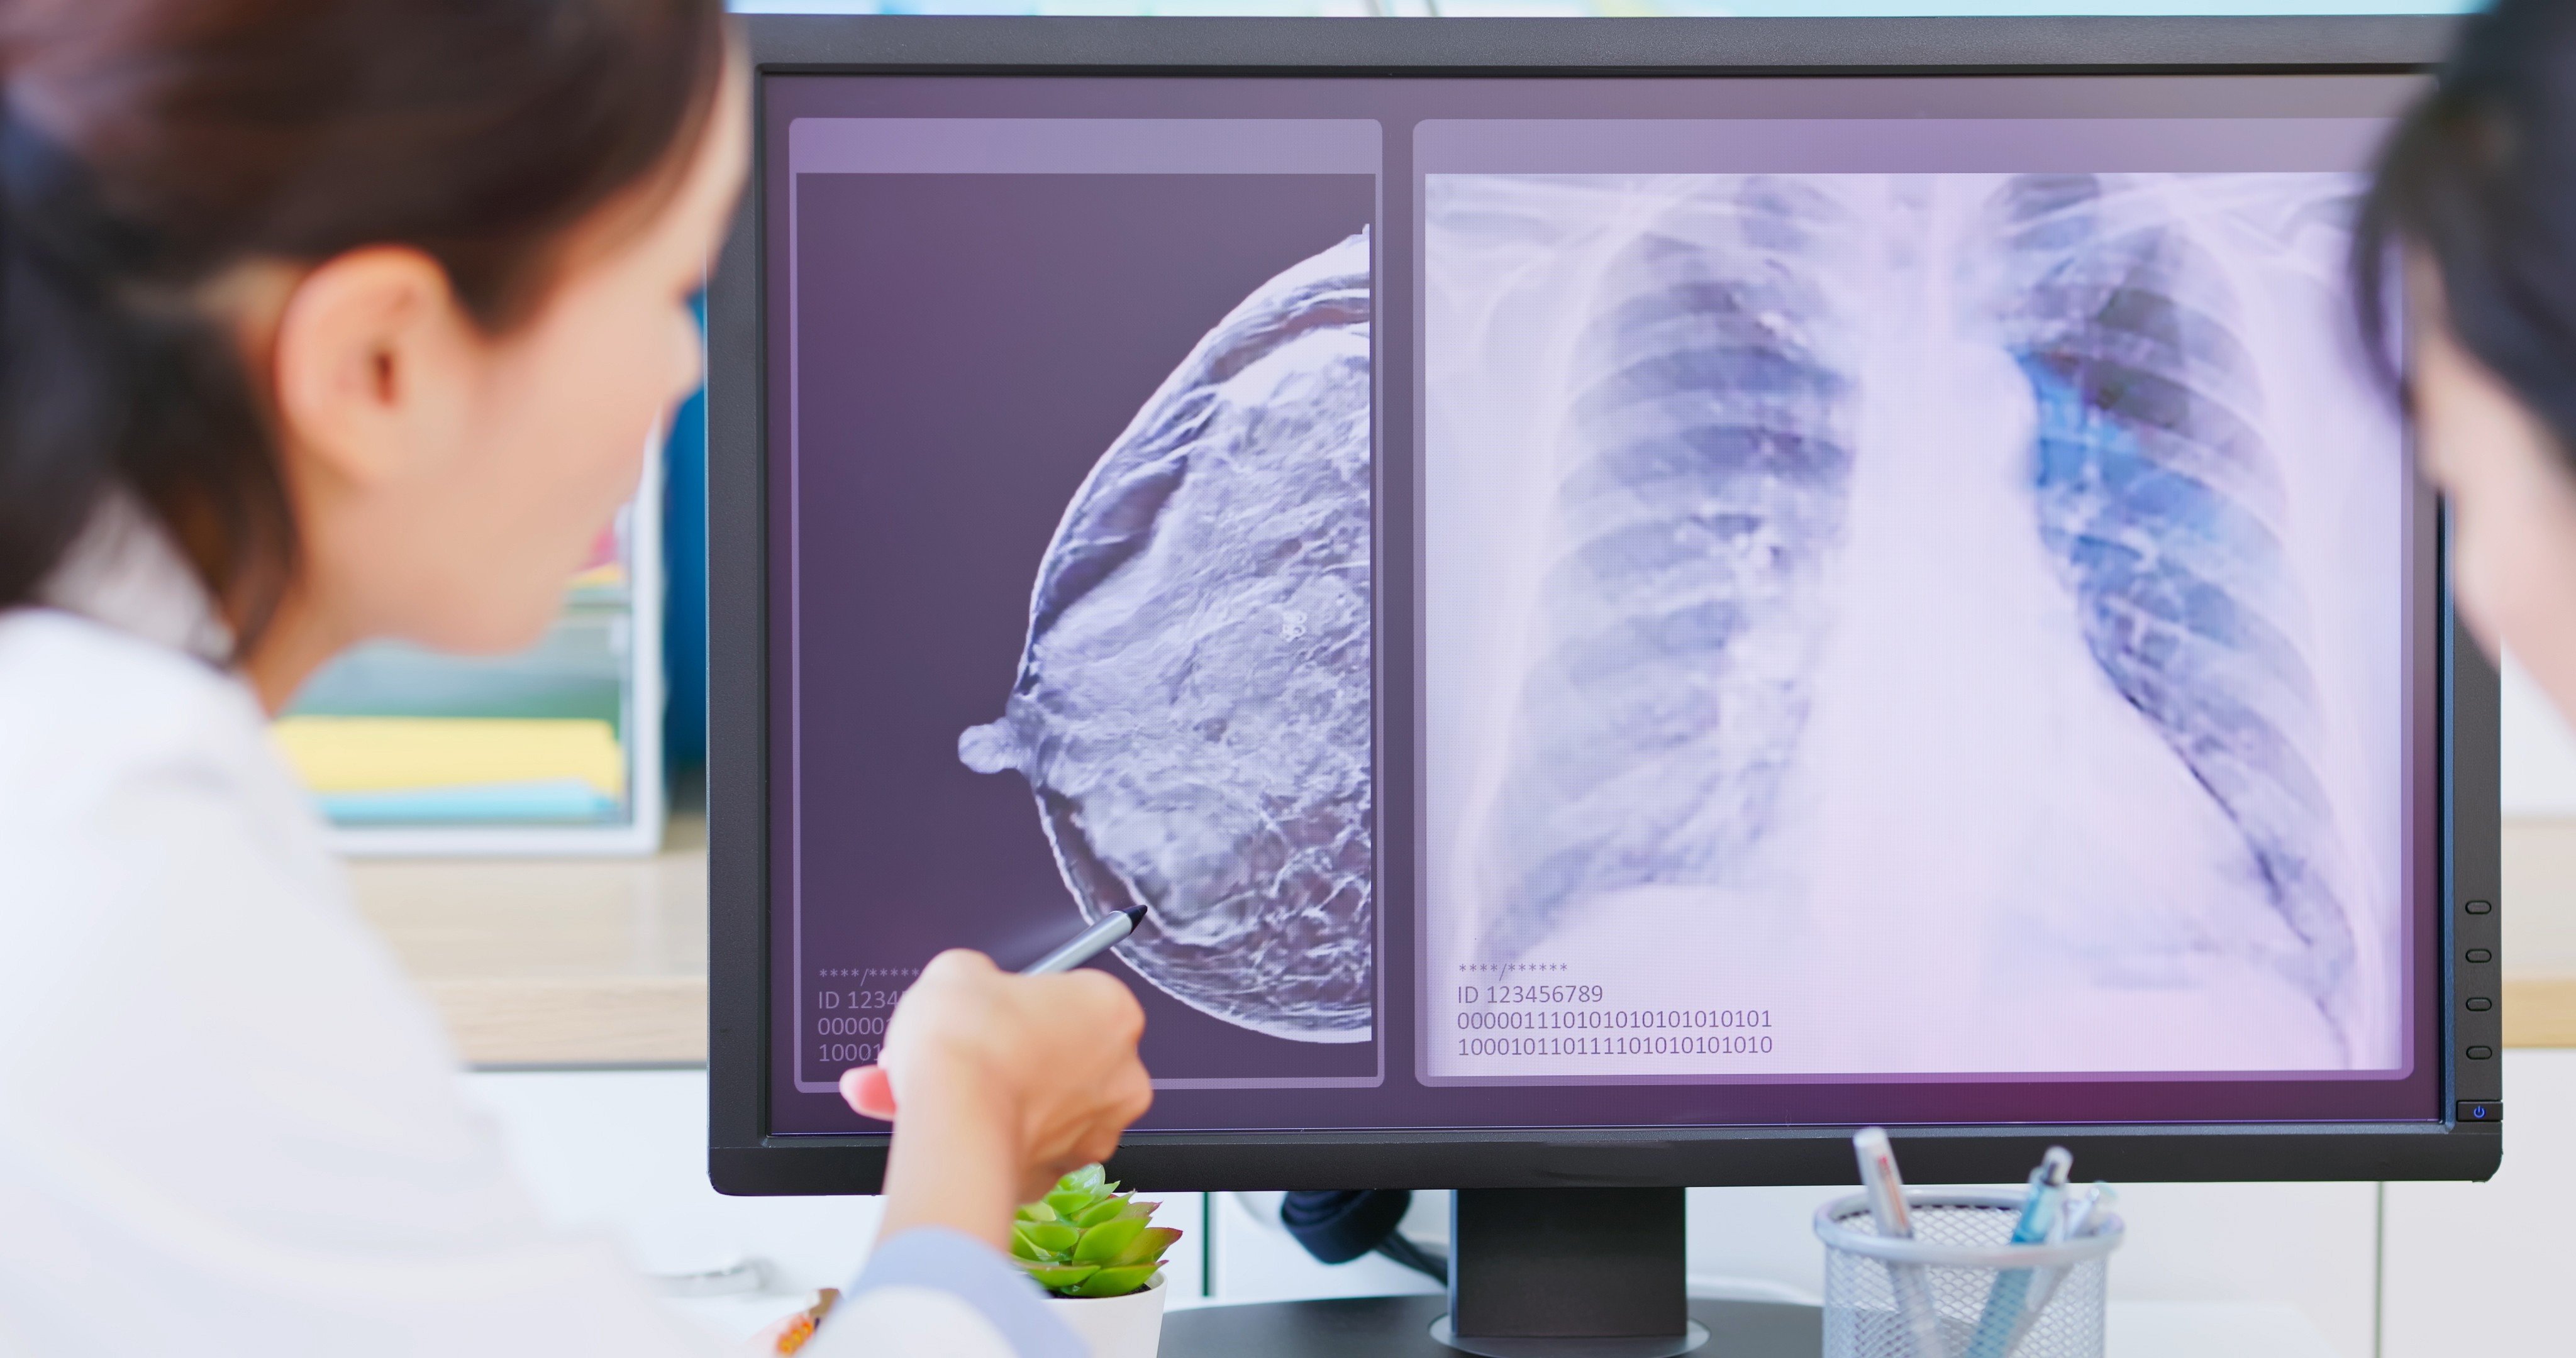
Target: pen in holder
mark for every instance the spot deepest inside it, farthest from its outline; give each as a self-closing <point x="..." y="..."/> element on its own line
<point x="1961" y="1248"/>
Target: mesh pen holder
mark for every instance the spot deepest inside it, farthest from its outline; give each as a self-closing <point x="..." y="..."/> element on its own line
<point x="1960" y="1288"/>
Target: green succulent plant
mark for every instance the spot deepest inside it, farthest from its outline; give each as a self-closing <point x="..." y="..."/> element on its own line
<point x="1087" y="1239"/>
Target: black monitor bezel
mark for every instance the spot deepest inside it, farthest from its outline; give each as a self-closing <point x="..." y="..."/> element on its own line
<point x="743" y="1158"/>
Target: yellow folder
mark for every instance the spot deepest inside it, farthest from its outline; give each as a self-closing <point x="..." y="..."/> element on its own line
<point x="379" y="754"/>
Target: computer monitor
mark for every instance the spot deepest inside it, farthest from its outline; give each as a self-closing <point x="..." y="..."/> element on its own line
<point x="1631" y="595"/>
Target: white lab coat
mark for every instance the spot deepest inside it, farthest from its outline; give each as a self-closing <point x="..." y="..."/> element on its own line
<point x="228" y="1122"/>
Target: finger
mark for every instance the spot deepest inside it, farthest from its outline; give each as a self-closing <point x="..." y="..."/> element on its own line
<point x="1128" y="1092"/>
<point x="962" y="961"/>
<point x="1113" y="1007"/>
<point x="1067" y="1159"/>
<point x="1098" y="1145"/>
<point x="1140" y="1099"/>
<point x="869" y="1091"/>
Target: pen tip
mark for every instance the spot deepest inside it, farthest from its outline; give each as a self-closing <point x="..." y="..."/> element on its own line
<point x="1135" y="915"/>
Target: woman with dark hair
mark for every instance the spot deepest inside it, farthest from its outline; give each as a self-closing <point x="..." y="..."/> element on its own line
<point x="320" y="321"/>
<point x="2473" y="219"/>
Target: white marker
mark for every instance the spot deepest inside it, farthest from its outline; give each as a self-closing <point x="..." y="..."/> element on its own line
<point x="1895" y="1221"/>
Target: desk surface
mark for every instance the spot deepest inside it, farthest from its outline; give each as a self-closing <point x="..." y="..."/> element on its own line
<point x="560" y="961"/>
<point x="2139" y="1329"/>
<point x="604" y="961"/>
<point x="1400" y="1327"/>
<point x="1357" y="1328"/>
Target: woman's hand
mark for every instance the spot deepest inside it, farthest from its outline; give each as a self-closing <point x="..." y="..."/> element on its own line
<point x="998" y="1085"/>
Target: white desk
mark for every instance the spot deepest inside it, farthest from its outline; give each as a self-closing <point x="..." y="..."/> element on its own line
<point x="2198" y="1329"/>
<point x="2139" y="1329"/>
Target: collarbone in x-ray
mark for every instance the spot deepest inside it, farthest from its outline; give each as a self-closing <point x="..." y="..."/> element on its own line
<point x="1923" y="572"/>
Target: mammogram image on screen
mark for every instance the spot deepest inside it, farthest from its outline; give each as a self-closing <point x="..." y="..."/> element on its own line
<point x="1920" y="623"/>
<point x="1192" y="708"/>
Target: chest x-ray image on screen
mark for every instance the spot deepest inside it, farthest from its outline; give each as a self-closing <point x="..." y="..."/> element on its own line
<point x="1192" y="709"/>
<point x="1973" y="589"/>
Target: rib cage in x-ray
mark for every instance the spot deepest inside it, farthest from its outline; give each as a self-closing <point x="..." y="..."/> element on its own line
<point x="1701" y="470"/>
<point x="1696" y="512"/>
<point x="2158" y="497"/>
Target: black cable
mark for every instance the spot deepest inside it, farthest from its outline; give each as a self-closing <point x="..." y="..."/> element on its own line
<point x="1405" y="1250"/>
<point x="1339" y="1225"/>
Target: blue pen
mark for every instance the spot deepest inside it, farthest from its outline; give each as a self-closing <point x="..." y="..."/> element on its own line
<point x="2041" y="1218"/>
<point x="2095" y="1213"/>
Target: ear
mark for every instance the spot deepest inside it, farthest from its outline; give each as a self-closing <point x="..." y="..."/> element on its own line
<point x="369" y="349"/>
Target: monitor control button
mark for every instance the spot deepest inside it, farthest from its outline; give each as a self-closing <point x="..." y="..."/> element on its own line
<point x="2481" y="1110"/>
<point x="2481" y="907"/>
<point x="2479" y="1004"/>
<point x="2481" y="1053"/>
<point x="2480" y="955"/>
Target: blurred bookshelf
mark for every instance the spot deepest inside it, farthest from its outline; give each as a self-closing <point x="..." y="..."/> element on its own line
<point x="554" y="750"/>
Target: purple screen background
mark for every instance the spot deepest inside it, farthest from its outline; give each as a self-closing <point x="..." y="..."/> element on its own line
<point x="971" y="346"/>
<point x="973" y="342"/>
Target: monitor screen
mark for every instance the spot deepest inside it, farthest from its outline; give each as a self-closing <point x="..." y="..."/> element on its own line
<point x="1605" y="602"/>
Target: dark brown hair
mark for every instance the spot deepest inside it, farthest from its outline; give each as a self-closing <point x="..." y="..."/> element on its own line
<point x="2480" y="178"/>
<point x="148" y="147"/>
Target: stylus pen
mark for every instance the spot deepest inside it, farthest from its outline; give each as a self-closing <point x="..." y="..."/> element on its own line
<point x="2043" y="1222"/>
<point x="1088" y="944"/>
<point x="1895" y="1221"/>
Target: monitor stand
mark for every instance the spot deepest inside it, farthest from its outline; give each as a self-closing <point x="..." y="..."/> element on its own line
<point x="1533" y="1273"/>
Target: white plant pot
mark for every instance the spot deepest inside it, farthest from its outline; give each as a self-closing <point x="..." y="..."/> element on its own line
<point x="1116" y="1327"/>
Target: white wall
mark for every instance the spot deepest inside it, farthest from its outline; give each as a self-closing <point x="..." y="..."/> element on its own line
<point x="2476" y="1268"/>
<point x="2538" y="776"/>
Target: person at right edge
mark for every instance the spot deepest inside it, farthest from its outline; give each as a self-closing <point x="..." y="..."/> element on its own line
<point x="2469" y="235"/>
<point x="324" y="321"/>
